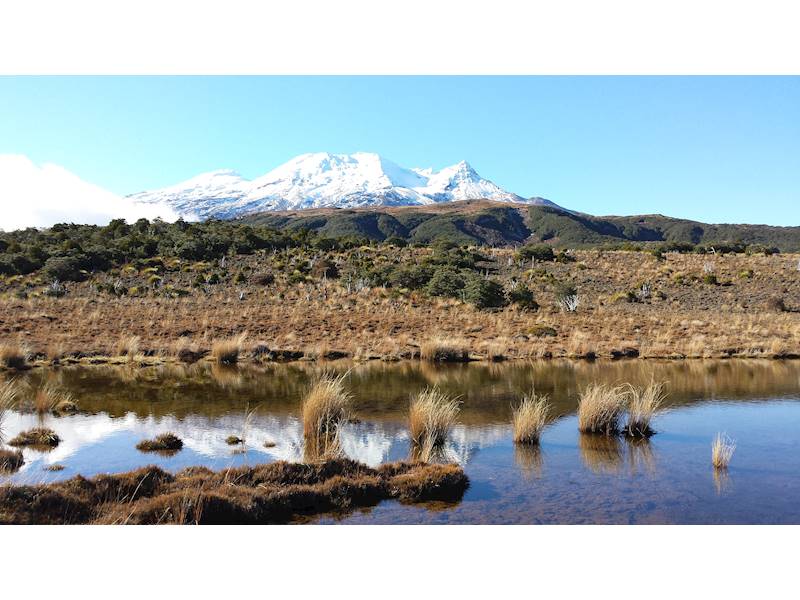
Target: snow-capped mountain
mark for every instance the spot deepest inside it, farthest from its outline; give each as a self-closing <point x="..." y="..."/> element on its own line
<point x="326" y="180"/>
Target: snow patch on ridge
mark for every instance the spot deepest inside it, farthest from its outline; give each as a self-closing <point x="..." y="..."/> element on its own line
<point x="326" y="180"/>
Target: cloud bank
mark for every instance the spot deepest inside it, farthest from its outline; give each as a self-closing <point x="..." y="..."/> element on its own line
<point x="40" y="196"/>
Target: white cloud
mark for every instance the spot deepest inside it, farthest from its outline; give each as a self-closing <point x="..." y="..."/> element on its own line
<point x="40" y="196"/>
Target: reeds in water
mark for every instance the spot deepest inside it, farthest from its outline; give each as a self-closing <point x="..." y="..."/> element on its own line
<point x="642" y="405"/>
<point x="529" y="419"/>
<point x="325" y="406"/>
<point x="600" y="408"/>
<point x="722" y="451"/>
<point x="431" y="415"/>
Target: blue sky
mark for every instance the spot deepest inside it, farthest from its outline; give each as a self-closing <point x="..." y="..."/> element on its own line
<point x="720" y="149"/>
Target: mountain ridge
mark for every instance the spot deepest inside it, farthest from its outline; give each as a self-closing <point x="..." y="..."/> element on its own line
<point x="485" y="222"/>
<point x="322" y="179"/>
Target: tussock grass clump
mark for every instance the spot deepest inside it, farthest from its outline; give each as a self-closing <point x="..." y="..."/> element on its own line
<point x="48" y="398"/>
<point x="166" y="442"/>
<point x="722" y="451"/>
<point x="128" y="346"/>
<point x="41" y="437"/>
<point x="600" y="408"/>
<point x="13" y="356"/>
<point x="325" y="407"/>
<point x="10" y="460"/>
<point x="233" y="440"/>
<point x="431" y="415"/>
<point x="8" y="393"/>
<point x="227" y="351"/>
<point x="642" y="405"/>
<point x="529" y="419"/>
<point x="273" y="493"/>
<point x="439" y="350"/>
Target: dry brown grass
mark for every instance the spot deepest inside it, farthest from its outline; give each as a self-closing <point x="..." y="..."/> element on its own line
<point x="227" y="351"/>
<point x="529" y="418"/>
<point x="691" y="319"/>
<point x="642" y="405"/>
<point x="128" y="346"/>
<point x="600" y="408"/>
<point x="431" y="415"/>
<point x="325" y="407"/>
<point x="444" y="350"/>
<point x="49" y="398"/>
<point x="722" y="451"/>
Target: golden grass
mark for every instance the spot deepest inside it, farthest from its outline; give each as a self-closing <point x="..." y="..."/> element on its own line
<point x="325" y="407"/>
<point x="13" y="356"/>
<point x="529" y="418"/>
<point x="688" y="322"/>
<point x="227" y="351"/>
<point x="128" y="346"/>
<point x="48" y="398"/>
<point x="642" y="405"/>
<point x="600" y="407"/>
<point x="431" y="415"/>
<point x="722" y="451"/>
<point x="442" y="350"/>
<point x="8" y="393"/>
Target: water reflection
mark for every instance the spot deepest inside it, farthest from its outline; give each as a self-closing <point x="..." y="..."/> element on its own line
<point x="529" y="458"/>
<point x="601" y="453"/>
<point x="640" y="456"/>
<point x="204" y="404"/>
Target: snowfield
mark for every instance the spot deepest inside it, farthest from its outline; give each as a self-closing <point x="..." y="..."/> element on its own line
<point x="325" y="180"/>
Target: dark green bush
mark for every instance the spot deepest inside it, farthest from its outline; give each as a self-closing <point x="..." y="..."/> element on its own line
<point x="64" y="268"/>
<point x="485" y="293"/>
<point x="523" y="297"/>
<point x="539" y="252"/>
<point x="445" y="281"/>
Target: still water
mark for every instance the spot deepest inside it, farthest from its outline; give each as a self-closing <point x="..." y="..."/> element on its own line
<point x="569" y="479"/>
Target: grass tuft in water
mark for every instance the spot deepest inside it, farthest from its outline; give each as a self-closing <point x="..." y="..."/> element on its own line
<point x="722" y="451"/>
<point x="38" y="436"/>
<point x="325" y="407"/>
<point x="600" y="408"/>
<point x="529" y="419"/>
<point x="642" y="405"/>
<point x="431" y="415"/>
<point x="166" y="442"/>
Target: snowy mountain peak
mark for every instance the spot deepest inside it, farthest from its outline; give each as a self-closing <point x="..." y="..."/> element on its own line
<point x="322" y="179"/>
